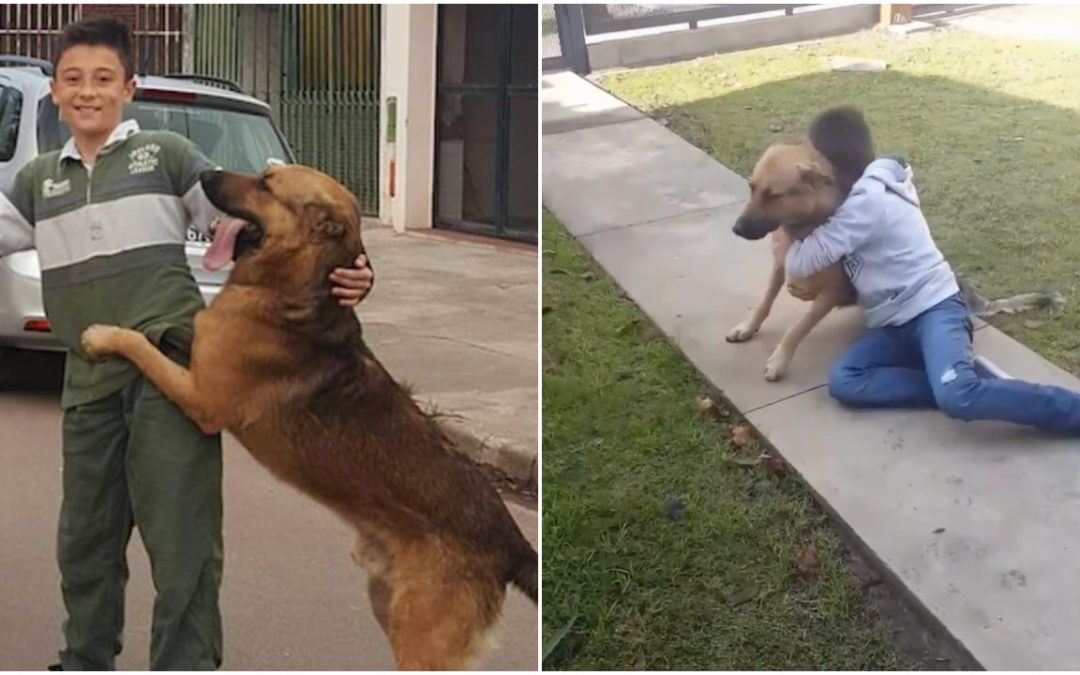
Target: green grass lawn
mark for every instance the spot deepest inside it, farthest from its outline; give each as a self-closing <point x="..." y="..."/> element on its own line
<point x="659" y="551"/>
<point x="991" y="126"/>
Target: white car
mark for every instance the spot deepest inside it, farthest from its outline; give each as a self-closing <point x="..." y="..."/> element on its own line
<point x="232" y="129"/>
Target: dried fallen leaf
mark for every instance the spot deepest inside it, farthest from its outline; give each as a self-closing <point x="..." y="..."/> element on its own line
<point x="588" y="276"/>
<point x="939" y="530"/>
<point x="740" y="435"/>
<point x="557" y="270"/>
<point x="777" y="466"/>
<point x="706" y="406"/>
<point x="807" y="563"/>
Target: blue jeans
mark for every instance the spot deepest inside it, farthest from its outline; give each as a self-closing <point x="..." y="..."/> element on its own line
<point x="928" y="363"/>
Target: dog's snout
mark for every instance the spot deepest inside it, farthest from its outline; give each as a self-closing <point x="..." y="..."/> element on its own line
<point x="749" y="228"/>
<point x="211" y="176"/>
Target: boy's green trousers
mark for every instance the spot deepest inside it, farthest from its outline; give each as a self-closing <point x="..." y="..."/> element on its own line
<point x="134" y="459"/>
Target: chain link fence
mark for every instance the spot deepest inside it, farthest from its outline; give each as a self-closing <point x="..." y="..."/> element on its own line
<point x="549" y="33"/>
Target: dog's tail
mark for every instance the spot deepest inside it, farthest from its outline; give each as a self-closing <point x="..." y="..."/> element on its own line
<point x="524" y="572"/>
<point x="982" y="306"/>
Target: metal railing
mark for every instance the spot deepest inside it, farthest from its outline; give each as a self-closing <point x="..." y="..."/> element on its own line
<point x="623" y="17"/>
<point x="33" y="29"/>
<point x="318" y="68"/>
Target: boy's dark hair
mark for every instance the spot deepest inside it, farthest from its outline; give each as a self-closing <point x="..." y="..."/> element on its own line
<point x="98" y="31"/>
<point x="843" y="137"/>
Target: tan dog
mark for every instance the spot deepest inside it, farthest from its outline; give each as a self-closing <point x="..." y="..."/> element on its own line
<point x="279" y="364"/>
<point x="792" y="191"/>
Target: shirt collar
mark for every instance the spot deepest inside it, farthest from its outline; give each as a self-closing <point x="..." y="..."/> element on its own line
<point x="118" y="135"/>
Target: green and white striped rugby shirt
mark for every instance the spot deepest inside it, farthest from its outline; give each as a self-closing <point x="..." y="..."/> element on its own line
<point x="111" y="243"/>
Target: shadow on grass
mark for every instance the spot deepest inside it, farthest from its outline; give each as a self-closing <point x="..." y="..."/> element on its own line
<point x="998" y="174"/>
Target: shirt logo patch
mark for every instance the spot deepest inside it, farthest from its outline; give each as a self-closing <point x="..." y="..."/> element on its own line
<point x="144" y="159"/>
<point x="51" y="188"/>
<point x="852" y="266"/>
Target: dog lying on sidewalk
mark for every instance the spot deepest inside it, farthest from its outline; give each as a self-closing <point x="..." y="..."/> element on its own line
<point x="797" y="188"/>
<point x="278" y="363"/>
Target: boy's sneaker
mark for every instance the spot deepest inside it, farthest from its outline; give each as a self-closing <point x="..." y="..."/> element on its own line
<point x="55" y="666"/>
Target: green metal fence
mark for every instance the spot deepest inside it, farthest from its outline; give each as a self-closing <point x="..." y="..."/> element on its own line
<point x="318" y="68"/>
<point x="215" y="42"/>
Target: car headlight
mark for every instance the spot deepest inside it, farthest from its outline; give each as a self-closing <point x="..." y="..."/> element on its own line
<point x="23" y="263"/>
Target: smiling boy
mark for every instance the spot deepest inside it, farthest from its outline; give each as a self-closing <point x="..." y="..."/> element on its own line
<point x="108" y="215"/>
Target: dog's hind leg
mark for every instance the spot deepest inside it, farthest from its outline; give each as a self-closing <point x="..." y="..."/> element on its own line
<point x="785" y="351"/>
<point x="442" y="608"/>
<point x="175" y="381"/>
<point x="748" y="328"/>
<point x="374" y="560"/>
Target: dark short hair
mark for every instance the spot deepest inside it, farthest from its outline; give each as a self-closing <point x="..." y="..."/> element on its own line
<point x="98" y="31"/>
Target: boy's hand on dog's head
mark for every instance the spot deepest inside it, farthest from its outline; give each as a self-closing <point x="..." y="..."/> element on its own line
<point x="351" y="285"/>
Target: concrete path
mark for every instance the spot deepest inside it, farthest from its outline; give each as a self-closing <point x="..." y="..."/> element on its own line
<point x="1029" y="22"/>
<point x="980" y="522"/>
<point x="456" y="318"/>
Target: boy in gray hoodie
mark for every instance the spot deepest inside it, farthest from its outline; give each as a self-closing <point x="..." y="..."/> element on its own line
<point x="917" y="350"/>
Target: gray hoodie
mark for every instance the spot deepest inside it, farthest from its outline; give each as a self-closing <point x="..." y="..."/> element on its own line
<point x="881" y="235"/>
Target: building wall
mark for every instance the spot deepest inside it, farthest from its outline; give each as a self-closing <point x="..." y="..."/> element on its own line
<point x="408" y="74"/>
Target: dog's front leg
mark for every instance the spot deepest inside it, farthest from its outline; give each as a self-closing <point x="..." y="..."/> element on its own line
<point x="748" y="328"/>
<point x="175" y="381"/>
<point x="785" y="351"/>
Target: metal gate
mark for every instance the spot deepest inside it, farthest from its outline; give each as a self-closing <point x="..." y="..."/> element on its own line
<point x="318" y="68"/>
<point x="562" y="39"/>
<point x="486" y="120"/>
<point x="32" y="30"/>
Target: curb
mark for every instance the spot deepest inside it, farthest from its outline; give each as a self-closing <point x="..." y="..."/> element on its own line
<point x="512" y="468"/>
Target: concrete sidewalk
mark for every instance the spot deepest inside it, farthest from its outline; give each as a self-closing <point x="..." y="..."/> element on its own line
<point x="977" y="521"/>
<point x="455" y="317"/>
<point x="1029" y="22"/>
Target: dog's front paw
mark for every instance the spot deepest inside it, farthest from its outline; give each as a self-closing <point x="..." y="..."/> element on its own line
<point x="777" y="364"/>
<point x="98" y="340"/>
<point x="741" y="333"/>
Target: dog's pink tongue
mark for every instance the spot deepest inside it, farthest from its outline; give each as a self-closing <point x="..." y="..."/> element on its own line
<point x="221" y="250"/>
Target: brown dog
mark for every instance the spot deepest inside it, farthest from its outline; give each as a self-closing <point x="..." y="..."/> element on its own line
<point x="793" y="189"/>
<point x="279" y="364"/>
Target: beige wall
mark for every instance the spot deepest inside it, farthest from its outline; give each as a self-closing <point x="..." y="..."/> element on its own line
<point x="408" y="72"/>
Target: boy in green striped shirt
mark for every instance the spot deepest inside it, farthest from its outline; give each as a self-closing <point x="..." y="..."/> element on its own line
<point x="108" y="215"/>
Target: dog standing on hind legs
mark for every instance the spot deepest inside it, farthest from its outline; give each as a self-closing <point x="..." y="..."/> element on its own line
<point x="277" y="363"/>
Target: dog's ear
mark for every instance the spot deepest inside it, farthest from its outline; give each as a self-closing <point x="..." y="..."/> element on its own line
<point x="323" y="223"/>
<point x="330" y="228"/>
<point x="811" y="173"/>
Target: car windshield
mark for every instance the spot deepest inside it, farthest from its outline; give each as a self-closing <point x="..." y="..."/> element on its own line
<point x="237" y="141"/>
